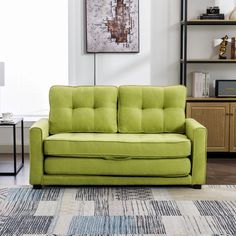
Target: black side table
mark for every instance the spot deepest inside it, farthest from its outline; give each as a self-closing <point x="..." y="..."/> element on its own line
<point x="14" y="124"/>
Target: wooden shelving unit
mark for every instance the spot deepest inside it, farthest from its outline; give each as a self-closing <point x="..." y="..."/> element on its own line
<point x="185" y="23"/>
<point x="211" y="99"/>
<point x="212" y="61"/>
<point x="208" y="22"/>
<point x="217" y="114"/>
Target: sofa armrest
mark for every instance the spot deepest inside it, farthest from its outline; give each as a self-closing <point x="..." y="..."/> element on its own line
<point x="38" y="132"/>
<point x="197" y="133"/>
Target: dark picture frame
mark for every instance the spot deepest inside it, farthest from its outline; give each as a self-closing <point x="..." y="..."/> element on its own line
<point x="112" y="26"/>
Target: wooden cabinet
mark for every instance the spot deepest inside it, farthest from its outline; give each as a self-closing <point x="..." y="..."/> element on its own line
<point x="220" y="120"/>
<point x="233" y="127"/>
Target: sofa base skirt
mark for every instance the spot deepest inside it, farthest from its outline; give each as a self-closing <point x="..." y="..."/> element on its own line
<point x="112" y="180"/>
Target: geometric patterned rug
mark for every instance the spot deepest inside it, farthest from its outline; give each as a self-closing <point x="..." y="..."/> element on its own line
<point x="95" y="211"/>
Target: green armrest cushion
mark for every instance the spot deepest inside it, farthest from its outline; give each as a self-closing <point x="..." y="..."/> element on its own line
<point x="197" y="133"/>
<point x="38" y="132"/>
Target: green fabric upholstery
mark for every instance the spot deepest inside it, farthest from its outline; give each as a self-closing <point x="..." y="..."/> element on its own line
<point x="95" y="166"/>
<point x="197" y="133"/>
<point x="113" y="146"/>
<point x="153" y="143"/>
<point x="83" y="109"/>
<point x="149" y="109"/>
<point x="38" y="133"/>
<point x="113" y="180"/>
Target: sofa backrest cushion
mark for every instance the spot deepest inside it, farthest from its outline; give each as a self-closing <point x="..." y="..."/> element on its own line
<point x="83" y="109"/>
<point x="150" y="109"/>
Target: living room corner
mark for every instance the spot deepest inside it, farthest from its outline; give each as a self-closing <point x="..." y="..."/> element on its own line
<point x="117" y="117"/>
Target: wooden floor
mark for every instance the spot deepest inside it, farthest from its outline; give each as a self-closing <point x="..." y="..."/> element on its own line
<point x="221" y="169"/>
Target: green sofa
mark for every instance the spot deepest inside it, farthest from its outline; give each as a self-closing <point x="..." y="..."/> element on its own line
<point x="127" y="135"/>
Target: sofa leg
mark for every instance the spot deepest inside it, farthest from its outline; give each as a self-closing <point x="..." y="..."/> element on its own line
<point x="197" y="186"/>
<point x="37" y="186"/>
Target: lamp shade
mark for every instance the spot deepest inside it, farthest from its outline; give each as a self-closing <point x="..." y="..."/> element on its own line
<point x="2" y="74"/>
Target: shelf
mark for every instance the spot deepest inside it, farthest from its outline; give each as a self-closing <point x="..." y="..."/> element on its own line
<point x="186" y="21"/>
<point x="209" y="22"/>
<point x="222" y="61"/>
<point x="210" y="99"/>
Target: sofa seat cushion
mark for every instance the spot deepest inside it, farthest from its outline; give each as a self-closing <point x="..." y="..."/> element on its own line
<point x="140" y="167"/>
<point x="117" y="146"/>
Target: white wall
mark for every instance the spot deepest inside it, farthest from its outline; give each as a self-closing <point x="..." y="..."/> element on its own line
<point x="6" y="139"/>
<point x="34" y="47"/>
<point x="158" y="60"/>
<point x="80" y="63"/>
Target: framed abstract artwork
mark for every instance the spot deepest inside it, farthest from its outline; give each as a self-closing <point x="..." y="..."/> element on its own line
<point x="112" y="26"/>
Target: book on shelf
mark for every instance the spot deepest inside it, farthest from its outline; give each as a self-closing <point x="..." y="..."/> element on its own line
<point x="212" y="17"/>
<point x="200" y="84"/>
<point x="233" y="52"/>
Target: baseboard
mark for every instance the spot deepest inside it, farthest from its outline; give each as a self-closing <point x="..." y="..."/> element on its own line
<point x="9" y="149"/>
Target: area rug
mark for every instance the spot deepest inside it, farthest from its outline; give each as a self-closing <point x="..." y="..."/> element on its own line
<point x="95" y="211"/>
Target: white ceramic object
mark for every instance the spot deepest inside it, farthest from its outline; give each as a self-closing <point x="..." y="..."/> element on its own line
<point x="217" y="42"/>
<point x="226" y="6"/>
<point x="233" y="14"/>
<point x="7" y="116"/>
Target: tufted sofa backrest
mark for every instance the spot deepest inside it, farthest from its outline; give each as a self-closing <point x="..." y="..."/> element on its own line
<point x="141" y="109"/>
<point x="83" y="109"/>
<point x="150" y="109"/>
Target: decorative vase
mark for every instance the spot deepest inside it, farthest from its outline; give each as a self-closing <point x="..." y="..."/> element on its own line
<point x="226" y="7"/>
<point x="233" y="14"/>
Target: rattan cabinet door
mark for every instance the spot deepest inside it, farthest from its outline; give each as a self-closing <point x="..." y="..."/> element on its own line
<point x="215" y="117"/>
